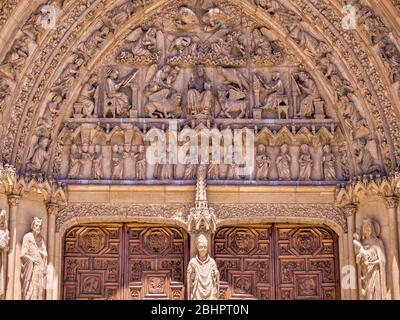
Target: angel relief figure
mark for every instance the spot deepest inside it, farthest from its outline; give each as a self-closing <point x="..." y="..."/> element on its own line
<point x="142" y="47"/>
<point x="163" y="100"/>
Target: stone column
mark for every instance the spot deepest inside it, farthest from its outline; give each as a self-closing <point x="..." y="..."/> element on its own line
<point x="52" y="210"/>
<point x="13" y="202"/>
<point x="350" y="213"/>
<point x="393" y="250"/>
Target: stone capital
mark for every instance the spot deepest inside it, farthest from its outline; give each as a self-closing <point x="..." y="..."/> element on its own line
<point x="13" y="200"/>
<point x="349" y="210"/>
<point x="391" y="202"/>
<point x="52" y="208"/>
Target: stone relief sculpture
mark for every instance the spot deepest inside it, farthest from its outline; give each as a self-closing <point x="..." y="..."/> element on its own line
<point x="38" y="161"/>
<point x="16" y="57"/>
<point x="75" y="162"/>
<point x="68" y="75"/>
<point x="97" y="162"/>
<point x="4" y="246"/>
<point x="328" y="164"/>
<point x="263" y="163"/>
<point x="117" y="102"/>
<point x="305" y="163"/>
<point x="202" y="274"/>
<point x="371" y="257"/>
<point x="117" y="164"/>
<point x="312" y="104"/>
<point x="86" y="105"/>
<point x="141" y="164"/>
<point x="199" y="96"/>
<point x="265" y="49"/>
<point x="283" y="162"/>
<point x="163" y="100"/>
<point x="34" y="263"/>
<point x="366" y="157"/>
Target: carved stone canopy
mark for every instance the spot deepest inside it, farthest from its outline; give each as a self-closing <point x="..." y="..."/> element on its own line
<point x="201" y="217"/>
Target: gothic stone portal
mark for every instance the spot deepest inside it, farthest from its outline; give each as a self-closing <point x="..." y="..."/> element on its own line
<point x="280" y="262"/>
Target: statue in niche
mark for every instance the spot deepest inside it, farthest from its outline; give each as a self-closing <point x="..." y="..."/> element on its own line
<point x="75" y="162"/>
<point x="263" y="163"/>
<point x="4" y="246"/>
<point x="163" y="100"/>
<point x="40" y="156"/>
<point x="16" y="57"/>
<point x="95" y="41"/>
<point x="372" y="24"/>
<point x="283" y="162"/>
<point x="328" y="164"/>
<point x="213" y="167"/>
<point x="202" y="273"/>
<point x="142" y="46"/>
<point x="117" y="102"/>
<point x="233" y="171"/>
<point x="353" y="118"/>
<point x="191" y="164"/>
<point x="199" y="96"/>
<point x="166" y="169"/>
<point x="370" y="255"/>
<point x="305" y="163"/>
<point x="117" y="163"/>
<point x="366" y="156"/>
<point x="86" y="104"/>
<point x="141" y="164"/>
<point x="34" y="263"/>
<point x="309" y="89"/>
<point x="214" y="19"/>
<point x="391" y="55"/>
<point x="68" y="75"/>
<point x="97" y="162"/>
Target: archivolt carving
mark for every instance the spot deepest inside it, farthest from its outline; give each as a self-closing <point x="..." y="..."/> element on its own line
<point x="211" y="22"/>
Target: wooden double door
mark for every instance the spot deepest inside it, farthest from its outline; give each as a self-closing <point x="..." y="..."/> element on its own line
<point x="124" y="262"/>
<point x="277" y="262"/>
<point x="266" y="262"/>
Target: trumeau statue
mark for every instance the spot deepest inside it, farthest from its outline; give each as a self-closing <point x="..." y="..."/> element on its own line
<point x="202" y="274"/>
<point x="372" y="260"/>
<point x="34" y="263"/>
<point x="4" y="243"/>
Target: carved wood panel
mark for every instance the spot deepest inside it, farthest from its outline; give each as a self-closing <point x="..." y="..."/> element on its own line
<point x="124" y="262"/>
<point x="156" y="262"/>
<point x="92" y="262"/>
<point x="277" y="262"/>
<point x="244" y="259"/>
<point x="306" y="263"/>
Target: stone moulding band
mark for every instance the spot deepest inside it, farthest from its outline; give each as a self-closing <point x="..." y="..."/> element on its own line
<point x="177" y="213"/>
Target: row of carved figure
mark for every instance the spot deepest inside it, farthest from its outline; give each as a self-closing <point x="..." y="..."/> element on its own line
<point x="129" y="162"/>
<point x="275" y="95"/>
<point x="202" y="272"/>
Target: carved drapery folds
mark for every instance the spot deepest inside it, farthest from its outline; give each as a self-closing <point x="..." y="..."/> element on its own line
<point x="371" y="257"/>
<point x="34" y="263"/>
